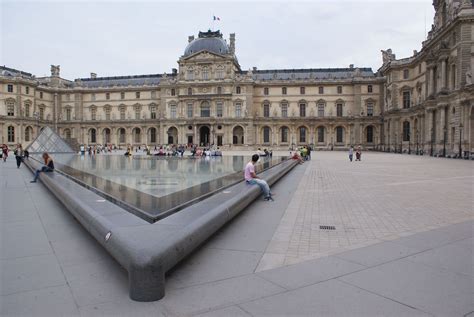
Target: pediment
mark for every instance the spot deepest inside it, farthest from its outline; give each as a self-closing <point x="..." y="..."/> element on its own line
<point x="203" y="55"/>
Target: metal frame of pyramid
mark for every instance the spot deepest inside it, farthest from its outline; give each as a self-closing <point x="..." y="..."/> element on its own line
<point x="49" y="141"/>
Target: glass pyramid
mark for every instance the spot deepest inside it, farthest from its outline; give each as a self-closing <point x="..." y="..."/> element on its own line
<point x="49" y="141"/>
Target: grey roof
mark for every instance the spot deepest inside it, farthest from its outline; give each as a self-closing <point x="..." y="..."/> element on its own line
<point x="10" y="72"/>
<point x="211" y="44"/>
<point x="311" y="73"/>
<point x="138" y="80"/>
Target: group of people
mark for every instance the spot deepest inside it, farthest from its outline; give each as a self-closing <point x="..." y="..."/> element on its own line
<point x="19" y="153"/>
<point x="358" y="153"/>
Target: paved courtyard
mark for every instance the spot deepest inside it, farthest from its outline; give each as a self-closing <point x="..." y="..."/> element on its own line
<point x="402" y="246"/>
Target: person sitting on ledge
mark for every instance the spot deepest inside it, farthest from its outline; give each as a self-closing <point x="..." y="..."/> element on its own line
<point x="48" y="166"/>
<point x="252" y="178"/>
<point x="296" y="156"/>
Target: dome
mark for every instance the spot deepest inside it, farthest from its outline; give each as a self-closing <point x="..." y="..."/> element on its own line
<point x="207" y="41"/>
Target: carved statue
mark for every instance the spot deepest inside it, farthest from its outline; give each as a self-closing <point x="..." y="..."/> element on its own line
<point x="55" y="70"/>
<point x="468" y="77"/>
<point x="387" y="56"/>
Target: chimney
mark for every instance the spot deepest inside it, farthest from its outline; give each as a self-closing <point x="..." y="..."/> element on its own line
<point x="254" y="69"/>
<point x="415" y="52"/>
<point x="351" y="66"/>
<point x="93" y="75"/>
<point x="190" y="38"/>
<point x="174" y="71"/>
<point x="232" y="43"/>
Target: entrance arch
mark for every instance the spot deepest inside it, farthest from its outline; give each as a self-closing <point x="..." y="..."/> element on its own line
<point x="238" y="135"/>
<point x="106" y="136"/>
<point x="173" y="135"/>
<point x="204" y="135"/>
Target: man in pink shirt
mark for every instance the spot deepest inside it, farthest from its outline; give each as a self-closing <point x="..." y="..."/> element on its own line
<point x="252" y="178"/>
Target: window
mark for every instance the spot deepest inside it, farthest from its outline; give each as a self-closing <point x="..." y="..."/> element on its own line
<point x="153" y="112"/>
<point x="419" y="69"/>
<point x="27" y="110"/>
<point x="320" y="134"/>
<point x="68" y="114"/>
<point x="173" y="111"/>
<point x="339" y="89"/>
<point x="266" y="110"/>
<point x="189" y="110"/>
<point x="68" y="97"/>
<point x="238" y="109"/>
<point x="406" y="131"/>
<point x="265" y="91"/>
<point x="205" y="110"/>
<point x="284" y="110"/>
<point x="107" y="114"/>
<point x="93" y="114"/>
<point x="122" y="113"/>
<point x="190" y="91"/>
<point x="219" y="90"/>
<point x="10" y="88"/>
<point x="41" y="95"/>
<point x="238" y="90"/>
<point x="122" y="135"/>
<point x="321" y="90"/>
<point x="302" y="90"/>
<point x="370" y="134"/>
<point x="11" y="134"/>
<point x="41" y="115"/>
<point x="219" y="74"/>
<point x="93" y="97"/>
<point x="205" y="74"/>
<point x="406" y="74"/>
<point x="283" y="90"/>
<point x="137" y="113"/>
<point x="173" y="92"/>
<point x="339" y="134"/>
<point x="219" y="109"/>
<point x="370" y="109"/>
<point x="107" y="95"/>
<point x="321" y="110"/>
<point x="284" y="135"/>
<point x="369" y="89"/>
<point x="137" y="95"/>
<point x="153" y="94"/>
<point x="122" y="95"/>
<point x="406" y="99"/>
<point x="93" y="136"/>
<point x="27" y="134"/>
<point x="302" y="134"/>
<point x="339" y="109"/>
<point x="266" y="135"/>
<point x="10" y="108"/>
<point x="27" y="90"/>
<point x="190" y="74"/>
<point x="302" y="110"/>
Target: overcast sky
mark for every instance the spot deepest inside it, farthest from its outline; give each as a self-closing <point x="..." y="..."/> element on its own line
<point x="115" y="38"/>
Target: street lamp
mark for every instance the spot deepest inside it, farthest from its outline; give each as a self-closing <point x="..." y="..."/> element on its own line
<point x="409" y="141"/>
<point x="460" y="140"/>
<point x="444" y="141"/>
<point x="417" y="144"/>
<point x="431" y="150"/>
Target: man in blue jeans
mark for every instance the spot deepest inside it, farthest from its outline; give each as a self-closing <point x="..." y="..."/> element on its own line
<point x="252" y="178"/>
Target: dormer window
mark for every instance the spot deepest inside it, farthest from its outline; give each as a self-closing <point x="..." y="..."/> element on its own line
<point x="205" y="74"/>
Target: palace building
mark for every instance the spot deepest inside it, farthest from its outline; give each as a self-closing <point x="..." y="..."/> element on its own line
<point x="421" y="103"/>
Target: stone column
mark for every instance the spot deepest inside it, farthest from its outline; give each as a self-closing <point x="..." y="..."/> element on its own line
<point x="431" y="81"/>
<point x="443" y="75"/>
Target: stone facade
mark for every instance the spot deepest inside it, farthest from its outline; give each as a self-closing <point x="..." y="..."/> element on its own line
<point x="419" y="103"/>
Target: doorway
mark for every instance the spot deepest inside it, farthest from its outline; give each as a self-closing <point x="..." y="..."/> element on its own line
<point x="204" y="133"/>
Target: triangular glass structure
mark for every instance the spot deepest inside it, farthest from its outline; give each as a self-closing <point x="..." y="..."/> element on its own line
<point x="49" y="141"/>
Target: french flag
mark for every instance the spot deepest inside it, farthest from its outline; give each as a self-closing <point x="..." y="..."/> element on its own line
<point x="216" y="18"/>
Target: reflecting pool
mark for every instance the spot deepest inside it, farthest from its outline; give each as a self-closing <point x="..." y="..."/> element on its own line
<point x="153" y="187"/>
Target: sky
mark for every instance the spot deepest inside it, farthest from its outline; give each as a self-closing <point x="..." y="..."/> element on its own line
<point x="117" y="38"/>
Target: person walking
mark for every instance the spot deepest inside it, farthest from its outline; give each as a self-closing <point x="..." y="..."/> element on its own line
<point x="359" y="154"/>
<point x="47" y="167"/>
<point x="5" y="152"/>
<point x="351" y="153"/>
<point x="252" y="179"/>
<point x="18" y="155"/>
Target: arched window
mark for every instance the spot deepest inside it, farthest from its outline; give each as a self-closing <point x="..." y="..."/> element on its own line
<point x="302" y="109"/>
<point x="152" y="135"/>
<point x="370" y="134"/>
<point x="238" y="135"/>
<point x="11" y="134"/>
<point x="266" y="134"/>
<point x="93" y="138"/>
<point x="320" y="134"/>
<point x="339" y="134"/>
<point x="284" y="134"/>
<point x="137" y="135"/>
<point x="284" y="110"/>
<point x="121" y="135"/>
<point x="266" y="109"/>
<point x="28" y="133"/>
<point x="406" y="131"/>
<point x="302" y="134"/>
<point x="205" y="110"/>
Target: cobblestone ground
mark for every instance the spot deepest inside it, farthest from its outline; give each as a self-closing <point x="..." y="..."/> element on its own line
<point x="383" y="197"/>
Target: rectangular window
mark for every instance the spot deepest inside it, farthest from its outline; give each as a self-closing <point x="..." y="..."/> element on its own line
<point x="219" y="74"/>
<point x="266" y="110"/>
<point x="41" y="114"/>
<point x="173" y="92"/>
<point x="238" y="90"/>
<point x="321" y="110"/>
<point x="93" y="114"/>
<point x="219" y="90"/>
<point x="284" y="110"/>
<point x="122" y="95"/>
<point x="153" y="112"/>
<point x="339" y="134"/>
<point x="68" y="114"/>
<point x="406" y="131"/>
<point x="302" y="90"/>
<point x="320" y="134"/>
<point x="205" y="74"/>
<point x="107" y="95"/>
<point x="284" y="135"/>
<point x="339" y="109"/>
<point x="10" y="109"/>
<point x="406" y="100"/>
<point x="107" y="114"/>
<point x="93" y="97"/>
<point x="219" y="109"/>
<point x="302" y="110"/>
<point x="137" y="95"/>
<point x="122" y="114"/>
<point x="283" y="90"/>
<point x="339" y="89"/>
<point x="265" y="91"/>
<point x="27" y="90"/>
<point x="321" y="90"/>
<point x="27" y="110"/>
<point x="190" y="75"/>
<point x="10" y="88"/>
<point x="406" y="74"/>
<point x="369" y="89"/>
<point x="41" y="95"/>
<point x="190" y="91"/>
<point x="173" y="111"/>
<point x="370" y="110"/>
<point x="189" y="110"/>
<point x="266" y="135"/>
<point x="238" y="109"/>
<point x="302" y="131"/>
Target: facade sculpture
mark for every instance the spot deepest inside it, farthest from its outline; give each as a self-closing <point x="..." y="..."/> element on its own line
<point x="421" y="103"/>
